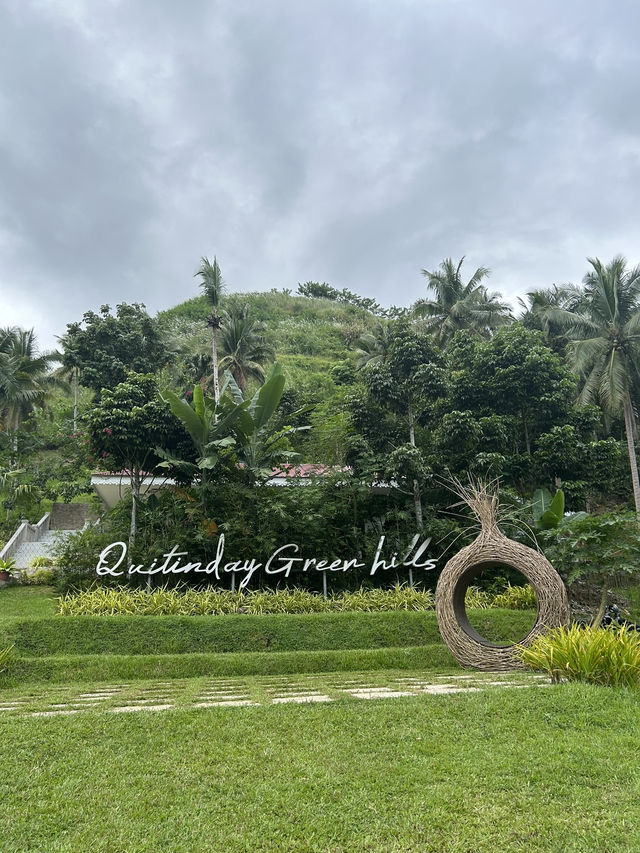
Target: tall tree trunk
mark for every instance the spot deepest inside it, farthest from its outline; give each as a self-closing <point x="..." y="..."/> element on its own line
<point x="75" y="399"/>
<point x="527" y="440"/>
<point x="597" y="619"/>
<point x="629" y="426"/>
<point x="214" y="355"/>
<point x="135" y="494"/>
<point x="417" y="498"/>
<point x="15" y="423"/>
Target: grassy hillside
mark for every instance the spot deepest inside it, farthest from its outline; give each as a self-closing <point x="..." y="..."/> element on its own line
<point x="308" y="335"/>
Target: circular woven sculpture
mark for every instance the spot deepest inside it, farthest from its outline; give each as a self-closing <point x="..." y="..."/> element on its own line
<point x="492" y="548"/>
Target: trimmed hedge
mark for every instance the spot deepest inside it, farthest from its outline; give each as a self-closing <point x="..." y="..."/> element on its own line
<point x="94" y="669"/>
<point x="145" y="635"/>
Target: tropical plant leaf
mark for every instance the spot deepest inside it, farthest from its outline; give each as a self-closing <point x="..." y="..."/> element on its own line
<point x="540" y="503"/>
<point x="231" y="384"/>
<point x="194" y="425"/>
<point x="557" y="504"/>
<point x="198" y="400"/>
<point x="209" y="461"/>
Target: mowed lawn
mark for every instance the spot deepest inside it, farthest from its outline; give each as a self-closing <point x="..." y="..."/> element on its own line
<point x="537" y="768"/>
<point x="26" y="602"/>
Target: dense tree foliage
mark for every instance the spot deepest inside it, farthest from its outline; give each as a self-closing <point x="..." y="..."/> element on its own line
<point x="126" y="426"/>
<point x="103" y="347"/>
<point x="385" y="404"/>
<point x="604" y="328"/>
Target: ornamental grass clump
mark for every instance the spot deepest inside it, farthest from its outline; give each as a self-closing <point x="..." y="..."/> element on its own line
<point x="398" y="597"/>
<point x="607" y="656"/>
<point x="516" y="598"/>
<point x="478" y="599"/>
<point x="5" y="657"/>
<point x="105" y="601"/>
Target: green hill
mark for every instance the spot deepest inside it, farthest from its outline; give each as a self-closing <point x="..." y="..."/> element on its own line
<point x="309" y="336"/>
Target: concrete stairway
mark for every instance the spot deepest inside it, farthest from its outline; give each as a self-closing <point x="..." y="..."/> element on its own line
<point x="28" y="551"/>
<point x="38" y="540"/>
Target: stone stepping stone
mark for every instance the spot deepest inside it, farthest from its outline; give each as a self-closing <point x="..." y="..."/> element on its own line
<point x="54" y="713"/>
<point x="225" y="703"/>
<point x="457" y="677"/>
<point x="301" y="698"/>
<point x="297" y="688"/>
<point x="84" y="696"/>
<point x="124" y="709"/>
<point x="443" y="689"/>
<point x="378" y="693"/>
<point x="230" y="691"/>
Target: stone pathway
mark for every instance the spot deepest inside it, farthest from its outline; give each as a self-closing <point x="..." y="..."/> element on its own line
<point x="238" y="692"/>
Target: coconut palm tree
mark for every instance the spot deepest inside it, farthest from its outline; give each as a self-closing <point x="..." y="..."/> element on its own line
<point x="453" y="305"/>
<point x="605" y="344"/>
<point x="537" y="307"/>
<point x="243" y="347"/>
<point x="213" y="288"/>
<point x="25" y="377"/>
<point x="198" y="368"/>
<point x="373" y="347"/>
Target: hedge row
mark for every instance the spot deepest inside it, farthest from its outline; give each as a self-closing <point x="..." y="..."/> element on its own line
<point x="93" y="669"/>
<point x="144" y="635"/>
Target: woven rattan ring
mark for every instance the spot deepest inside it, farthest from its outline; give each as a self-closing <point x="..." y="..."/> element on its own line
<point x="492" y="549"/>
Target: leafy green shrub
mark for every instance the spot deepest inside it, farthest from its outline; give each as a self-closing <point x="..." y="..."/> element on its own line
<point x="600" y="551"/>
<point x="398" y="597"/>
<point x="69" y="580"/>
<point x="43" y="577"/>
<point x="598" y="655"/>
<point x="41" y="562"/>
<point x="516" y="598"/>
<point x="81" y="549"/>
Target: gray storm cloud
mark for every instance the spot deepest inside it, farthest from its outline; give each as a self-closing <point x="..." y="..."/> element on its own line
<point x="352" y="142"/>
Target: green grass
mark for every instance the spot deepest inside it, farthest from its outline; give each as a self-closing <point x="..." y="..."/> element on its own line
<point x="138" y="635"/>
<point x="181" y="693"/>
<point x="113" y="667"/>
<point x="25" y="602"/>
<point x="56" y="649"/>
<point x="523" y="770"/>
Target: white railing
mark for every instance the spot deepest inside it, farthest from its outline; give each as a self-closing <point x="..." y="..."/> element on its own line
<point x="27" y="532"/>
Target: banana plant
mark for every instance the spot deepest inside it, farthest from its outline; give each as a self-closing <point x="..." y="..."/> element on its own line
<point x="210" y="426"/>
<point x="233" y="425"/>
<point x="548" y="512"/>
<point x="259" y="447"/>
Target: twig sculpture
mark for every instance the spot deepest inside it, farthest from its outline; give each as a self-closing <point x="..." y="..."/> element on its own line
<point x="492" y="548"/>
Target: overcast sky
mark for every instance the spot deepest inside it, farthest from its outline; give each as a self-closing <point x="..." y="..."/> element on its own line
<point x="341" y="141"/>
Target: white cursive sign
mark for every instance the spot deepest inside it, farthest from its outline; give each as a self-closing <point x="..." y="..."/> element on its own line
<point x="283" y="561"/>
